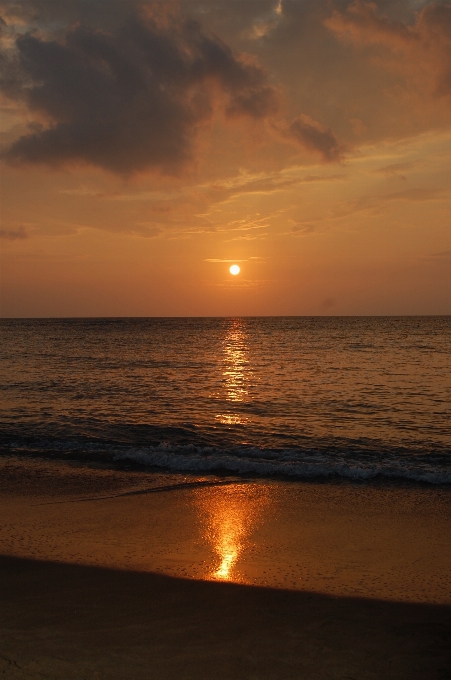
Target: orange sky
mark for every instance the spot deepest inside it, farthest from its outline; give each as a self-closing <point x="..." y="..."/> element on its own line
<point x="147" y="146"/>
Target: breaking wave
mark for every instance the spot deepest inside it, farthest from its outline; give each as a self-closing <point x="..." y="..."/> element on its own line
<point x="282" y="463"/>
<point x="432" y="466"/>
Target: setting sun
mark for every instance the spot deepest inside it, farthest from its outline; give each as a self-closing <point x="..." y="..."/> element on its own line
<point x="234" y="269"/>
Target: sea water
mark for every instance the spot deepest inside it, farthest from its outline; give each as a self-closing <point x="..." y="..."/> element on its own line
<point x="304" y="397"/>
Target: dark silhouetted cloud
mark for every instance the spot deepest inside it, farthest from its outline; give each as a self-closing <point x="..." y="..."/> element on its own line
<point x="128" y="98"/>
<point x="316" y="137"/>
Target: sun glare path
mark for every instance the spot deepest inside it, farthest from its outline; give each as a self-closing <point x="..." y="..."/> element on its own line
<point x="235" y="363"/>
<point x="234" y="269"/>
<point x="229" y="514"/>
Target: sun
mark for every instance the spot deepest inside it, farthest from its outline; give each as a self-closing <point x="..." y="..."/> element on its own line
<point x="234" y="269"/>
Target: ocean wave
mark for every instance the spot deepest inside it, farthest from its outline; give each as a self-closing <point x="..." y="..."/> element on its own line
<point x="432" y="465"/>
<point x="287" y="463"/>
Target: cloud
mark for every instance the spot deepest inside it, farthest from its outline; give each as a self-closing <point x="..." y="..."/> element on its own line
<point x="421" y="49"/>
<point x="372" y="204"/>
<point x="127" y="89"/>
<point x="220" y="260"/>
<point x="361" y="21"/>
<point x="261" y="183"/>
<point x="377" y="202"/>
<point x="131" y="97"/>
<point x="445" y="254"/>
<point x="417" y="194"/>
<point x="316" y="137"/>
<point x="241" y="283"/>
<point x="248" y="237"/>
<point x="145" y="230"/>
<point x="13" y="234"/>
<point x="394" y="170"/>
<point x="366" y="71"/>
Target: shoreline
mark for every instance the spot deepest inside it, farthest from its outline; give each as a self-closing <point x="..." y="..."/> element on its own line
<point x="260" y="579"/>
<point x="109" y="462"/>
<point x="339" y="539"/>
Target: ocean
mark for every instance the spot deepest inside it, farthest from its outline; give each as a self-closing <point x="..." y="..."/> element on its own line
<point x="300" y="397"/>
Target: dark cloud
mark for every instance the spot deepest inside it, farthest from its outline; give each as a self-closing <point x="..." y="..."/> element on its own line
<point x="131" y="97"/>
<point x="13" y="234"/>
<point x="55" y="14"/>
<point x="316" y="137"/>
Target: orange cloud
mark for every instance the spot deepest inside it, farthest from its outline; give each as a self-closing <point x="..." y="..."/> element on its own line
<point x="422" y="50"/>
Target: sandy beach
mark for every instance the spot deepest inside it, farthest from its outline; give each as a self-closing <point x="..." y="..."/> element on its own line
<point x="116" y="574"/>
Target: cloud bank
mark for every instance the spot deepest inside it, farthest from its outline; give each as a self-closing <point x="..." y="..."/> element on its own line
<point x="127" y="87"/>
<point x="129" y="98"/>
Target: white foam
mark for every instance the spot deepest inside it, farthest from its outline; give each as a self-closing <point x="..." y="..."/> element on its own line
<point x="254" y="461"/>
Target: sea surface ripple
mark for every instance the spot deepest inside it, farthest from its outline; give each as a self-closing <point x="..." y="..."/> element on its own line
<point x="356" y="397"/>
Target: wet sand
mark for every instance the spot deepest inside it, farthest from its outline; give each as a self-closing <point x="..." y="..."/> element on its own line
<point x="252" y="580"/>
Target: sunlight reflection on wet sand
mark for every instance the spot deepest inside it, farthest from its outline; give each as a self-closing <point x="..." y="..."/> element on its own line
<point x="228" y="515"/>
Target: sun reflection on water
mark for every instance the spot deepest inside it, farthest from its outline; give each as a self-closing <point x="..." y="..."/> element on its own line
<point x="228" y="560"/>
<point x="232" y="419"/>
<point x="228" y="515"/>
<point x="235" y="371"/>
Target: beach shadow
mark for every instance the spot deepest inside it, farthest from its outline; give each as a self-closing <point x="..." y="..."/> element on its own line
<point x="61" y="621"/>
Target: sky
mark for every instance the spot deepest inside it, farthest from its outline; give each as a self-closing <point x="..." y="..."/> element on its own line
<point x="147" y="146"/>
